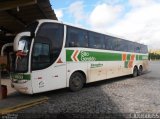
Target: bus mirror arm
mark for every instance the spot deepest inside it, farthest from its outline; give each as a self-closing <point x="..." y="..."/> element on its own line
<point x="32" y="34"/>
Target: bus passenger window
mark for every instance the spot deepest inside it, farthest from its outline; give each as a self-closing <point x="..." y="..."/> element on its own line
<point x="76" y="37"/>
<point x="96" y="40"/>
<point x="73" y="42"/>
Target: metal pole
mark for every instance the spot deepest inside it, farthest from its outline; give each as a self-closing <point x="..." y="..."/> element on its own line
<point x="0" y="85"/>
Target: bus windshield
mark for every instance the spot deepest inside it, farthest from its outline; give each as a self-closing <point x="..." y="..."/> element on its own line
<point x="22" y="55"/>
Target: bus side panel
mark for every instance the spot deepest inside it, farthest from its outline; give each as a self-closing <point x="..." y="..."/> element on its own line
<point x="112" y="69"/>
<point x="76" y="66"/>
<point x="97" y="70"/>
<point x="106" y="70"/>
<point x="116" y="69"/>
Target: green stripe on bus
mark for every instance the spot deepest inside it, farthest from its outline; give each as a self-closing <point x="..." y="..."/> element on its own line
<point x="69" y="54"/>
<point x="128" y="56"/>
<point x="144" y="57"/>
<point x="140" y="57"/>
<point x="26" y="76"/>
<point x="94" y="56"/>
<point x="20" y="76"/>
<point x="100" y="56"/>
<point x="137" y="57"/>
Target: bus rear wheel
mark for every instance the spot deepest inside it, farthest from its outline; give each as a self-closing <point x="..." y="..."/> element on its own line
<point x="76" y="81"/>
<point x="140" y="70"/>
<point x="135" y="72"/>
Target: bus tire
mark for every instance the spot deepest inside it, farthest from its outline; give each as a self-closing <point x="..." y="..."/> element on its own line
<point x="76" y="81"/>
<point x="135" y="72"/>
<point x="140" y="70"/>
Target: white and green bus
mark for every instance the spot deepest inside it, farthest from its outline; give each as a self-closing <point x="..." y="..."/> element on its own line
<point x="51" y="55"/>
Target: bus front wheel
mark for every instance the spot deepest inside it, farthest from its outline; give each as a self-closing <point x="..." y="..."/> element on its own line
<point x="76" y="81"/>
<point x="135" y="71"/>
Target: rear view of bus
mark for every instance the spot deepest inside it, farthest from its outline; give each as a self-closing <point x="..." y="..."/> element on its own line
<point x="37" y="49"/>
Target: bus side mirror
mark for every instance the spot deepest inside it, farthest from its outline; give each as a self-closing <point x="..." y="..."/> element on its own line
<point x="19" y="44"/>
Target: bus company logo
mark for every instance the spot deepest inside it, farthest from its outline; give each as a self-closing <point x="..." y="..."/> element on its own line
<point x="75" y="56"/>
<point x="96" y="65"/>
<point x="41" y="84"/>
<point x="82" y="56"/>
<point x="85" y="56"/>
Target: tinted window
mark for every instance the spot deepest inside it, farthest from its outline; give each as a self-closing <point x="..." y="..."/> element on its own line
<point x="81" y="38"/>
<point x="119" y="44"/>
<point x="106" y="42"/>
<point x="41" y="56"/>
<point x="76" y="37"/>
<point x="52" y="32"/>
<point x="23" y="56"/>
<point x="111" y="43"/>
<point x="137" y="48"/>
<point x="123" y="45"/>
<point x="49" y="40"/>
<point x="131" y="46"/>
<point x="96" y="40"/>
<point x="144" y="49"/>
<point x="140" y="48"/>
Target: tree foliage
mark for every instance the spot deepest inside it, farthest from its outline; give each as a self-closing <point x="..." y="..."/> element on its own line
<point x="154" y="55"/>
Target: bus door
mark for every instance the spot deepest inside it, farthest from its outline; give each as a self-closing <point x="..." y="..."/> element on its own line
<point x="47" y="75"/>
<point x="47" y="60"/>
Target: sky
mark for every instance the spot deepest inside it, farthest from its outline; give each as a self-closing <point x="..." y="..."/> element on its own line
<point x="134" y="20"/>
